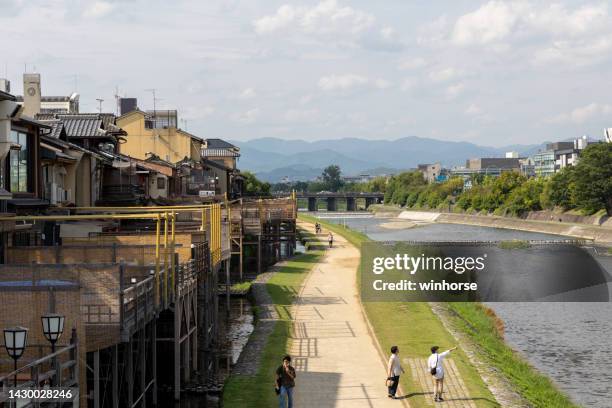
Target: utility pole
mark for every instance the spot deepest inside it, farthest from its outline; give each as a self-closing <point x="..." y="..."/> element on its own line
<point x="100" y="104"/>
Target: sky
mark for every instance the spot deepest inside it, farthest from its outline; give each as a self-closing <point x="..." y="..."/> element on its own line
<point x="493" y="73"/>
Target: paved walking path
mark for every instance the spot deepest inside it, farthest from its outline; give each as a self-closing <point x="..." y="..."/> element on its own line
<point x="337" y="362"/>
<point x="455" y="392"/>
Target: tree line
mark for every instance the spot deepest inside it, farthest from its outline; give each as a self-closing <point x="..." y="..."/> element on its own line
<point x="587" y="187"/>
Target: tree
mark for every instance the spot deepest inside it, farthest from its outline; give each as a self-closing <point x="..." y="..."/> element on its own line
<point x="331" y="177"/>
<point x="592" y="178"/>
<point x="253" y="186"/>
<point x="558" y="190"/>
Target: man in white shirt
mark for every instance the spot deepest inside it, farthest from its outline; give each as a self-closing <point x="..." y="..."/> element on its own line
<point x="394" y="370"/>
<point x="435" y="362"/>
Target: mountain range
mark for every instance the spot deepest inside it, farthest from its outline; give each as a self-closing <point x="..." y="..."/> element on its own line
<point x="273" y="159"/>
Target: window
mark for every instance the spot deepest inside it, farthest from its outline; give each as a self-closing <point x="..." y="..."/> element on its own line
<point x="161" y="183"/>
<point x="19" y="162"/>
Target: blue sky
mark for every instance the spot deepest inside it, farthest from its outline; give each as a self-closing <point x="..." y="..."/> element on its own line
<point x="493" y="73"/>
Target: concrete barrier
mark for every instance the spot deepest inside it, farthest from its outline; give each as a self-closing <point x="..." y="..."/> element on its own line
<point x="424" y="216"/>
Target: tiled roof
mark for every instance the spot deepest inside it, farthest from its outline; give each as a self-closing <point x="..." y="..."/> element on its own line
<point x="219" y="153"/>
<point x="81" y="125"/>
<point x="218" y="144"/>
<point x="56" y="127"/>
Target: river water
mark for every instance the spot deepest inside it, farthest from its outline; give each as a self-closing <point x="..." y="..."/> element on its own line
<point x="569" y="342"/>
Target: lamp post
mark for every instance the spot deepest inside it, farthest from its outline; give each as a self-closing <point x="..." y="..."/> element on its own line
<point x="53" y="327"/>
<point x="15" y="341"/>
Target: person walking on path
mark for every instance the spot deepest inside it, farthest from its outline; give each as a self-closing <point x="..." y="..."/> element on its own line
<point x="437" y="371"/>
<point x="394" y="370"/>
<point x="330" y="239"/>
<point x="285" y="382"/>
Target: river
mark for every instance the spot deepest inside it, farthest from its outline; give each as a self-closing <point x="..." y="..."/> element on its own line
<point x="569" y="342"/>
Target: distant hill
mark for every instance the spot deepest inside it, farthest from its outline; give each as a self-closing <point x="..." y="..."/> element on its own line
<point x="272" y="159"/>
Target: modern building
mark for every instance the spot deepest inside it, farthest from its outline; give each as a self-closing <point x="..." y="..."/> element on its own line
<point x="430" y="171"/>
<point x="488" y="166"/>
<point x="558" y="155"/>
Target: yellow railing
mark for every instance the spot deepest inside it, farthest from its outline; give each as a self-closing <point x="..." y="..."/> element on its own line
<point x="211" y="217"/>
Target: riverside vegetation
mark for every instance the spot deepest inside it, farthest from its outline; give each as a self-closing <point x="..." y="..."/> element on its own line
<point x="586" y="188"/>
<point x="407" y="323"/>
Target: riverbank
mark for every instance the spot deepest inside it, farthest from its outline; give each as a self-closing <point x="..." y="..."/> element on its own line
<point x="274" y="292"/>
<point x="601" y="234"/>
<point x="498" y="364"/>
<point x="414" y="328"/>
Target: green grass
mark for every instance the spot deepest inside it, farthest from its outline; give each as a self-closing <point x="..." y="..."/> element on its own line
<point x="482" y="328"/>
<point x="414" y="328"/>
<point x="241" y="287"/>
<point x="257" y="391"/>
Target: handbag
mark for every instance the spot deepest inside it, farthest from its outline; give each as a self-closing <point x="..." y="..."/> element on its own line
<point x="434" y="370"/>
<point x="389" y="382"/>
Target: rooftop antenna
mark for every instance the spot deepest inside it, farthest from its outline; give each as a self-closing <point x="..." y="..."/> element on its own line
<point x="152" y="90"/>
<point x="117" y="97"/>
<point x="100" y="104"/>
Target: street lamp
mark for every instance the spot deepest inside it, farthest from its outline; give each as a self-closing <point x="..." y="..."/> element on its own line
<point x="15" y="340"/>
<point x="53" y="327"/>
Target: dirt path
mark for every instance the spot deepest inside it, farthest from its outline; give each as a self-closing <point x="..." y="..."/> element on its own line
<point x="337" y="360"/>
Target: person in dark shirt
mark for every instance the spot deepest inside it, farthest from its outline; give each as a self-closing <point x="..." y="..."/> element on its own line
<point x="285" y="382"/>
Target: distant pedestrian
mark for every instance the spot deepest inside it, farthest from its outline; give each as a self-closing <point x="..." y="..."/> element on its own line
<point x="285" y="382"/>
<point x="394" y="370"/>
<point x="437" y="371"/>
<point x="330" y="239"/>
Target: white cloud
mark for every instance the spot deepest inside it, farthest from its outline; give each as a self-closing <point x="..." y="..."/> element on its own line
<point x="443" y="75"/>
<point x="492" y="22"/>
<point x="382" y="83"/>
<point x="342" y="82"/>
<point x="247" y="117"/>
<point x="331" y="20"/>
<point x="98" y="9"/>
<point x="408" y="84"/>
<point x="473" y="110"/>
<point x="299" y="115"/>
<point x="454" y="91"/>
<point x="498" y="21"/>
<point x="283" y="17"/>
<point x="197" y="113"/>
<point x="583" y="114"/>
<point x="414" y="63"/>
<point x="575" y="52"/>
<point x="326" y="17"/>
<point x="247" y="93"/>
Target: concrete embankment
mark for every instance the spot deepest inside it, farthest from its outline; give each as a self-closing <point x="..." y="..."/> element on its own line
<point x="599" y="234"/>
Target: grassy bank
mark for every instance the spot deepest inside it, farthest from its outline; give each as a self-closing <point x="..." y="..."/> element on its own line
<point x="415" y="328"/>
<point x="473" y="319"/>
<point x="257" y="391"/>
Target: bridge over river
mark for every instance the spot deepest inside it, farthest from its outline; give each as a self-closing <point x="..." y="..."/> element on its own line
<point x="332" y="199"/>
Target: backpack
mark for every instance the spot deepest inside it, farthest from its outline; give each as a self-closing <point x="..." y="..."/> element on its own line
<point x="434" y="370"/>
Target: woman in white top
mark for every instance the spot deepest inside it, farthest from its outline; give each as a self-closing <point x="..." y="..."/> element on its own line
<point x="435" y="361"/>
<point x="394" y="370"/>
